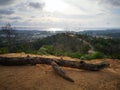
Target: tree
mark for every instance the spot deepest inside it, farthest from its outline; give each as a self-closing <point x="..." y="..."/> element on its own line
<point x="9" y="34"/>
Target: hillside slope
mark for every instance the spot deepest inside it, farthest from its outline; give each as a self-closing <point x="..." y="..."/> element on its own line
<point x="42" y="77"/>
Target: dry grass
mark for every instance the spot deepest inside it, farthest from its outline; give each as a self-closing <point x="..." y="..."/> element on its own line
<point x="42" y="77"/>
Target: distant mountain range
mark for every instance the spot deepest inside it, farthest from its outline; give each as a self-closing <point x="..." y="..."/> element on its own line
<point x="35" y="34"/>
<point x="109" y="33"/>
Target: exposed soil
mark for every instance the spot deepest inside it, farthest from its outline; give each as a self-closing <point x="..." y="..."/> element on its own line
<point x="43" y="77"/>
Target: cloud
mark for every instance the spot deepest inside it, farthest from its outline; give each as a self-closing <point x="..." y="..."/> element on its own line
<point x="111" y="3"/>
<point x="61" y="13"/>
<point x="1" y="17"/>
<point x="6" y="12"/>
<point x="36" y="5"/>
<point x="85" y="7"/>
<point x="6" y="2"/>
<point x="15" y="18"/>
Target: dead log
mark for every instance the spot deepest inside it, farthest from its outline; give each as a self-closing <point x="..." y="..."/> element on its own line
<point x="60" y="72"/>
<point x="93" y="67"/>
<point x="17" y="61"/>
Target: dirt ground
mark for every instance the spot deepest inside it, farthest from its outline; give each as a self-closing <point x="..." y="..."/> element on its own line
<point x="42" y="77"/>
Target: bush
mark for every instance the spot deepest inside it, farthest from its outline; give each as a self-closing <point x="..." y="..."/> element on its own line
<point x="31" y="51"/>
<point x="57" y="53"/>
<point x="4" y="50"/>
<point x="73" y="55"/>
<point x="95" y="55"/>
<point x="115" y="56"/>
<point x="46" y="49"/>
<point x="86" y="57"/>
<point x="42" y="50"/>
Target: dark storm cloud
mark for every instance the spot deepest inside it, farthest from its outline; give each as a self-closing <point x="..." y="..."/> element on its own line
<point x="6" y="12"/>
<point x="115" y="3"/>
<point x="6" y="2"/>
<point x="36" y="5"/>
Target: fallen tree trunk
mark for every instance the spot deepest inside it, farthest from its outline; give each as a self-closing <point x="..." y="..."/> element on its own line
<point x="60" y="72"/>
<point x="17" y="61"/>
<point x="55" y="64"/>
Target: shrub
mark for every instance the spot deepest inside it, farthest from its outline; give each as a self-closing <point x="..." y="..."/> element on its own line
<point x="46" y="49"/>
<point x="73" y="55"/>
<point x="95" y="55"/>
<point x="42" y="50"/>
<point x="4" y="50"/>
<point x="57" y="53"/>
<point x="86" y="57"/>
<point x="115" y="57"/>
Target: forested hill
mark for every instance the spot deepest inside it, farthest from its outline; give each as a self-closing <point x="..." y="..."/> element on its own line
<point x="67" y="44"/>
<point x="78" y="45"/>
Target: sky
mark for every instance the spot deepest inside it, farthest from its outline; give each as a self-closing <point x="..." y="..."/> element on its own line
<point x="60" y="14"/>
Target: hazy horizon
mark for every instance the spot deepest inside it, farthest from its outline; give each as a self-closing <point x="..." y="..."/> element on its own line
<point x="64" y="29"/>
